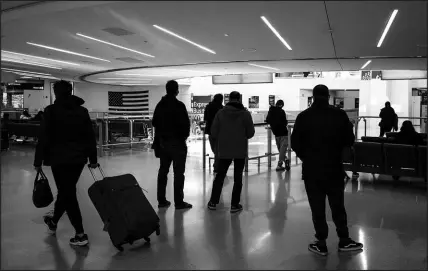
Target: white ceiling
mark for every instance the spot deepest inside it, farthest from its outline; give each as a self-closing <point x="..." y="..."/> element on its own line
<point x="356" y="28"/>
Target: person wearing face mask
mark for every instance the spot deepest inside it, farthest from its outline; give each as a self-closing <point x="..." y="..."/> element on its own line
<point x="172" y="128"/>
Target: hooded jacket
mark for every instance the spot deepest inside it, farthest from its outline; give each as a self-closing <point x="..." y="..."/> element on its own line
<point x="232" y="127"/>
<point x="209" y="114"/>
<point x="277" y="119"/>
<point x="171" y="120"/>
<point x="319" y="137"/>
<point x="66" y="135"/>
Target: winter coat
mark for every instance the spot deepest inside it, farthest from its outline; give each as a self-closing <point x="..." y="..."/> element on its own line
<point x="209" y="114"/>
<point x="66" y="135"/>
<point x="277" y="119"/>
<point x="232" y="127"/>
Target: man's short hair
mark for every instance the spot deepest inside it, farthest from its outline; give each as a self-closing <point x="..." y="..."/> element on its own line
<point x="235" y="95"/>
<point x="63" y="88"/>
<point x="171" y="87"/>
<point x="279" y="102"/>
<point x="218" y="97"/>
<point x="320" y="91"/>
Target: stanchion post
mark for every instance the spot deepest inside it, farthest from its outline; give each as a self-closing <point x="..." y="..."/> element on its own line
<point x="100" y="138"/>
<point x="269" y="145"/>
<point x="356" y="128"/>
<point x="131" y="132"/>
<point x="246" y="160"/>
<point x="365" y="127"/>
<point x="289" y="143"/>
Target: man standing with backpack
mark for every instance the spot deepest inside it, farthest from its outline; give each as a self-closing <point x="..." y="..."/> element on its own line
<point x="277" y="119"/>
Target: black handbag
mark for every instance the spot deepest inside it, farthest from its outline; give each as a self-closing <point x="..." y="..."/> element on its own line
<point x="42" y="194"/>
<point x="156" y="146"/>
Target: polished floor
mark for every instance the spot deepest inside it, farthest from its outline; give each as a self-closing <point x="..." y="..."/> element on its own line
<point x="271" y="233"/>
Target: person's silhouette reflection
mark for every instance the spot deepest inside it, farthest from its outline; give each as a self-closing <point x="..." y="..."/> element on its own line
<point x="278" y="212"/>
<point x="216" y="230"/>
<point x="60" y="261"/>
<point x="180" y="251"/>
<point x="237" y="242"/>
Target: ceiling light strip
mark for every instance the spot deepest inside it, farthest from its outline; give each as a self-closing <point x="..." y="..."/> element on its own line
<point x="112" y="44"/>
<point x="388" y="25"/>
<point x="275" y="32"/>
<point x="14" y="70"/>
<point x="264" y="67"/>
<point x="365" y="65"/>
<point x="31" y="63"/>
<point x="49" y="59"/>
<point x="125" y="78"/>
<point x="182" y="38"/>
<point x="137" y="74"/>
<point x="66" y="51"/>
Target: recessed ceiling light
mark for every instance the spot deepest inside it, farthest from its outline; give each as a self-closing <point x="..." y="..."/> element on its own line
<point x="365" y="65"/>
<point x="388" y="25"/>
<point x="186" y="40"/>
<point x="112" y="44"/>
<point x="31" y="63"/>
<point x="226" y="35"/>
<point x="49" y="59"/>
<point x="275" y="32"/>
<point x="36" y="73"/>
<point x="264" y="67"/>
<point x="66" y="51"/>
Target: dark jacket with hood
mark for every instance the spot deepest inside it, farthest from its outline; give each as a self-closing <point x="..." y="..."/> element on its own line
<point x="388" y="118"/>
<point x="66" y="134"/>
<point x="319" y="137"/>
<point x="209" y="114"/>
<point x="277" y="119"/>
<point x="171" y="120"/>
<point x="232" y="127"/>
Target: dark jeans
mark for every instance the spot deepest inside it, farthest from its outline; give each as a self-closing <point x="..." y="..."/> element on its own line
<point x="384" y="130"/>
<point x="175" y="152"/>
<point x="223" y="166"/>
<point x="317" y="191"/>
<point x="213" y="144"/>
<point x="66" y="178"/>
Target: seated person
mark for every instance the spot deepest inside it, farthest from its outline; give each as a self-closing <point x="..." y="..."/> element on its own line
<point x="408" y="135"/>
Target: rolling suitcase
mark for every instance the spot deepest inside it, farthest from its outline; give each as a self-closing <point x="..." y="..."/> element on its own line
<point x="124" y="209"/>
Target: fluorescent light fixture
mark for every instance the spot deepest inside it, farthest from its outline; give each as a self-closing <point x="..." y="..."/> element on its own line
<point x="365" y="65"/>
<point x="35" y="73"/>
<point x="49" y="59"/>
<point x="264" y="67"/>
<point x="138" y="84"/>
<point x="137" y="74"/>
<point x="186" y="40"/>
<point x="112" y="44"/>
<point x="31" y="63"/>
<point x="125" y="78"/>
<point x="66" y="51"/>
<point x="388" y="25"/>
<point x="27" y="77"/>
<point x="275" y="32"/>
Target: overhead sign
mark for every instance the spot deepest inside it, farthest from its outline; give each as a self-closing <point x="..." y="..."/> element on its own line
<point x="198" y="103"/>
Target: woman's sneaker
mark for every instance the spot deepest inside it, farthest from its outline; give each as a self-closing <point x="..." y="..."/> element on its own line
<point x="236" y="208"/>
<point x="50" y="224"/>
<point x="212" y="206"/>
<point x="79" y="240"/>
<point x="319" y="248"/>
<point x="349" y="245"/>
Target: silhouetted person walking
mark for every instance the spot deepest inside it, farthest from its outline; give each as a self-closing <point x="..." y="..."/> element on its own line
<point x="172" y="127"/>
<point x="66" y="141"/>
<point x="232" y="127"/>
<point x="209" y="114"/>
<point x="388" y="119"/>
<point x="320" y="134"/>
<point x="277" y="119"/>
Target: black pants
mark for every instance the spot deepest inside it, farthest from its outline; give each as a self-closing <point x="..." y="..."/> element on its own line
<point x="213" y="144"/>
<point x="317" y="191"/>
<point x="174" y="152"/>
<point x="385" y="129"/>
<point x="223" y="166"/>
<point x="66" y="178"/>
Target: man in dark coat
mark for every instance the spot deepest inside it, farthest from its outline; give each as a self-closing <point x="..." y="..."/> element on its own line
<point x="66" y="141"/>
<point x="319" y="137"/>
<point x="388" y="119"/>
<point x="277" y="119"/>
<point x="232" y="127"/>
<point x="172" y="128"/>
<point x="210" y="111"/>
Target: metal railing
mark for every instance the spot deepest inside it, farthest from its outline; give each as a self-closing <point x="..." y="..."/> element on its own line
<point x="373" y="124"/>
<point x="269" y="154"/>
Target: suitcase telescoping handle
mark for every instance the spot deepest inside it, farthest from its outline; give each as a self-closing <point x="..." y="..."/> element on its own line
<point x="93" y="174"/>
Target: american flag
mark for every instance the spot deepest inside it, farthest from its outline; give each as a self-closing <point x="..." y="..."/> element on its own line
<point x="128" y="103"/>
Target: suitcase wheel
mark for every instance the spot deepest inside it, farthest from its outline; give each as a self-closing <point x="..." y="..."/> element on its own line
<point x="120" y="248"/>
<point x="147" y="239"/>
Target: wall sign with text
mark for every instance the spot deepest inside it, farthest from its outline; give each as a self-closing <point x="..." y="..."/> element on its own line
<point x="198" y="103"/>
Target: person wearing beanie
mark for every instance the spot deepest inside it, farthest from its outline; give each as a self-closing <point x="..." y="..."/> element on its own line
<point x="319" y="137"/>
